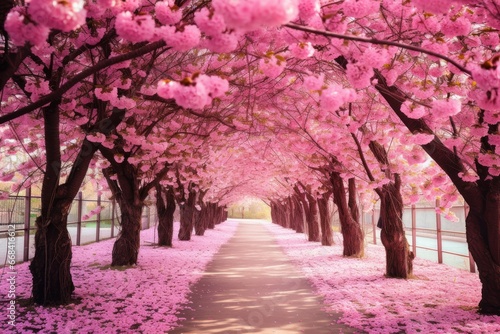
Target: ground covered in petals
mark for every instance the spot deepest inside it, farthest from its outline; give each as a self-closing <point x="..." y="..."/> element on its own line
<point x="139" y="299"/>
<point x="440" y="299"/>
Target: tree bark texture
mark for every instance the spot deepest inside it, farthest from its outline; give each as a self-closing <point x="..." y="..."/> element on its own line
<point x="130" y="198"/>
<point x="399" y="257"/>
<point x="353" y="238"/>
<point x="50" y="267"/>
<point x="313" y="219"/>
<point x="165" y="208"/>
<point x="298" y="214"/>
<point x="324" y="215"/>
<point x="187" y="216"/>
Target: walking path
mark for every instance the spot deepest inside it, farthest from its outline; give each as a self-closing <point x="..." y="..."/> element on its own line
<point x="251" y="287"/>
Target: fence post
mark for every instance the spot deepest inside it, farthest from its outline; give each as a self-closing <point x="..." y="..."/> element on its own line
<point x="439" y="234"/>
<point x="414" y="229"/>
<point x="149" y="217"/>
<point x="113" y="207"/>
<point x="472" y="264"/>
<point x="98" y="222"/>
<point x="79" y="219"/>
<point x="374" y="226"/>
<point x="27" y="219"/>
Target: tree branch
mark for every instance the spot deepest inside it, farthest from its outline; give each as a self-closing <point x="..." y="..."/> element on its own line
<point x="378" y="42"/>
<point x="78" y="78"/>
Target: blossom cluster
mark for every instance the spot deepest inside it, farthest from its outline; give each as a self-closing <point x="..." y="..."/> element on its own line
<point x="194" y="93"/>
<point x="33" y="25"/>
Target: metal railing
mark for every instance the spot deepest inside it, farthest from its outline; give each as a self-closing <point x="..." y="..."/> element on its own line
<point x="18" y="214"/>
<point x="429" y="234"/>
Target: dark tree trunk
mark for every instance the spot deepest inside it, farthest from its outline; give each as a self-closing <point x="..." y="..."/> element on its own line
<point x="312" y="219"/>
<point x="220" y="214"/>
<point x="201" y="215"/>
<point x="298" y="213"/>
<point x="399" y="258"/>
<point x="353" y="239"/>
<point x="324" y="215"/>
<point x="165" y="207"/>
<point x="126" y="246"/>
<point x="187" y="216"/>
<point x="201" y="223"/>
<point x="483" y="237"/>
<point x="353" y="199"/>
<point x="130" y="199"/>
<point x="50" y="267"/>
<point x="212" y="216"/>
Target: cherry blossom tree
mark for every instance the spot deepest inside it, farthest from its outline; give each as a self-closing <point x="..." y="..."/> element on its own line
<point x="243" y="65"/>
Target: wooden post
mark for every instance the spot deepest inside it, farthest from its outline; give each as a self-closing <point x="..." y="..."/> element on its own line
<point x="414" y="229"/>
<point x="374" y="226"/>
<point x="439" y="234"/>
<point x="79" y="222"/>
<point x="98" y="222"/>
<point x="27" y="217"/>
<point x="113" y="207"/>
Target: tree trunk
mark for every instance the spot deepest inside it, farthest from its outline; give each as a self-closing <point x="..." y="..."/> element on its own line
<point x="353" y="199"/>
<point x="312" y="219"/>
<point x="165" y="207"/>
<point x="126" y="246"/>
<point x="200" y="223"/>
<point x="480" y="228"/>
<point x="130" y="198"/>
<point x="298" y="213"/>
<point x="187" y="214"/>
<point x="324" y="215"/>
<point x="50" y="267"/>
<point x="211" y="208"/>
<point x="399" y="258"/>
<point x="353" y="239"/>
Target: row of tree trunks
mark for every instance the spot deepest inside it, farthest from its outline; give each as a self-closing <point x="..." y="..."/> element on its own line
<point x="291" y="213"/>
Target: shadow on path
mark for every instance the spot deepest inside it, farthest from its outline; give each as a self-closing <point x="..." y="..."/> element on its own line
<point x="251" y="287"/>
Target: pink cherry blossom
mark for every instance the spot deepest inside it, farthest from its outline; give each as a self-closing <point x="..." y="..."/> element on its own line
<point x="166" y="13"/>
<point x="359" y="75"/>
<point x="358" y="8"/>
<point x="210" y="23"/>
<point x="221" y="43"/>
<point x="272" y="66"/>
<point x="181" y="40"/>
<point x="61" y="15"/>
<point x="313" y="83"/>
<point x="135" y="28"/>
<point x="335" y="96"/>
<point x="22" y="30"/>
<point x="435" y="6"/>
<point x="302" y="50"/>
<point x="308" y="9"/>
<point x="446" y="108"/>
<point x="250" y="15"/>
